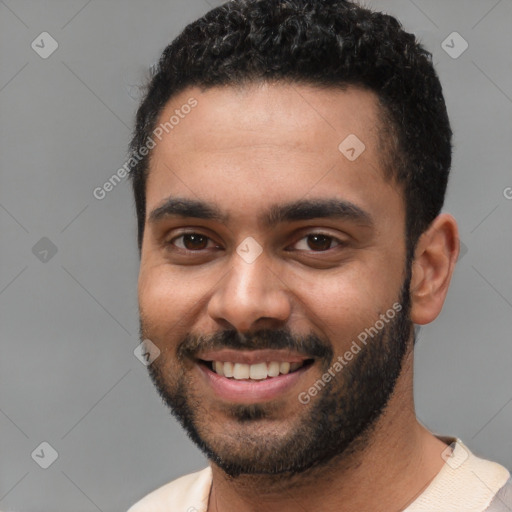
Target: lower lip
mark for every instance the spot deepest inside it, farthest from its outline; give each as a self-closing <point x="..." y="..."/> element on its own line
<point x="251" y="391"/>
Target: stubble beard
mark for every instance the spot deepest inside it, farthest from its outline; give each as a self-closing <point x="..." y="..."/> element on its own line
<point x="333" y="425"/>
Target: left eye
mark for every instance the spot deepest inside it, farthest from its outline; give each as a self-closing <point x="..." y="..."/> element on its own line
<point x="317" y="242"/>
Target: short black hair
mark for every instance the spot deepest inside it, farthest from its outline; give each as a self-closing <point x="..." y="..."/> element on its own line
<point x="324" y="43"/>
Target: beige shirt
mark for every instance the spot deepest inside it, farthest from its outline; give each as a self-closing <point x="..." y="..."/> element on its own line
<point x="465" y="483"/>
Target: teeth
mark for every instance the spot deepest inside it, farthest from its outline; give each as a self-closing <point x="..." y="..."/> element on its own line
<point x="228" y="369"/>
<point x="273" y="369"/>
<point x="284" y="368"/>
<point x="218" y="367"/>
<point x="258" y="371"/>
<point x="241" y="371"/>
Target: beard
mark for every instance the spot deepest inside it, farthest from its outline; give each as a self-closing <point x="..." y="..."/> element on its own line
<point x="335" y="423"/>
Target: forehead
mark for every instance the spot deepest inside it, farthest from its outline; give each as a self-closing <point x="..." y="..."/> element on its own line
<point x="226" y="116"/>
<point x="255" y="145"/>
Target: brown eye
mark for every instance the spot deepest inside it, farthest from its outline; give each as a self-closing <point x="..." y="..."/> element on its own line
<point x="191" y="241"/>
<point x="317" y="242"/>
<point x="194" y="241"/>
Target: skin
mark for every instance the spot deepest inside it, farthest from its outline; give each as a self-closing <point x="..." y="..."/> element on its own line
<point x="246" y="149"/>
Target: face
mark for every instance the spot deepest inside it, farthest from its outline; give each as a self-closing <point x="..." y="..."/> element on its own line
<point x="273" y="274"/>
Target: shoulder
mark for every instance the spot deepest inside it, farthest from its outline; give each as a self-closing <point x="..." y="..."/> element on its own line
<point x="465" y="482"/>
<point x="502" y="502"/>
<point x="188" y="493"/>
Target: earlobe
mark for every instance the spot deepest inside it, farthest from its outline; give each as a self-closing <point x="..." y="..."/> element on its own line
<point x="435" y="256"/>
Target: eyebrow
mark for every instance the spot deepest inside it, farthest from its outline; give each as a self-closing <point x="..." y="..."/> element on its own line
<point x="302" y="209"/>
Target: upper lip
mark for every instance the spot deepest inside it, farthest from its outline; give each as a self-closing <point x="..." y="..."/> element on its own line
<point x="252" y="356"/>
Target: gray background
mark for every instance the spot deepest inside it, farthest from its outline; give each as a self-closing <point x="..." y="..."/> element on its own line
<point x="69" y="323"/>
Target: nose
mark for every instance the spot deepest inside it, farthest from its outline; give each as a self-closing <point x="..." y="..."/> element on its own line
<point x="250" y="296"/>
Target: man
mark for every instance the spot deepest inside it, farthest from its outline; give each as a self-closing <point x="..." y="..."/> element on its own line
<point x="291" y="160"/>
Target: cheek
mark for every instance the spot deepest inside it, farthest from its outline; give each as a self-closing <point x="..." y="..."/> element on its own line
<point x="335" y="306"/>
<point x="160" y="301"/>
<point x="344" y="303"/>
<point x="170" y="299"/>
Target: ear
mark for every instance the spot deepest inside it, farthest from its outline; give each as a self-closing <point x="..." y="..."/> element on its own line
<point x="435" y="256"/>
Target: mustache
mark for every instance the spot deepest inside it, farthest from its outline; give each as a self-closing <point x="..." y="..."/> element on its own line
<point x="309" y="345"/>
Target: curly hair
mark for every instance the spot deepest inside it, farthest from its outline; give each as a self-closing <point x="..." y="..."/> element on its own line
<point x="324" y="43"/>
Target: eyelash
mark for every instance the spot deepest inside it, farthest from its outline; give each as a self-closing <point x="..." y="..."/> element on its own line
<point x="339" y="243"/>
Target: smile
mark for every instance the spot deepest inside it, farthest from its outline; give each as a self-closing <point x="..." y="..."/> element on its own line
<point x="252" y="376"/>
<point x="258" y="371"/>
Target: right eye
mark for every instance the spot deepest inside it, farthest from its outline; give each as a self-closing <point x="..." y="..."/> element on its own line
<point x="191" y="242"/>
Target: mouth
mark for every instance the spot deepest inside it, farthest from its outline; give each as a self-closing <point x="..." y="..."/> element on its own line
<point x="255" y="376"/>
<point x="255" y="372"/>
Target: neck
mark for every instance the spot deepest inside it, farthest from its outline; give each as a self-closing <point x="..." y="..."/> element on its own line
<point x="385" y="471"/>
